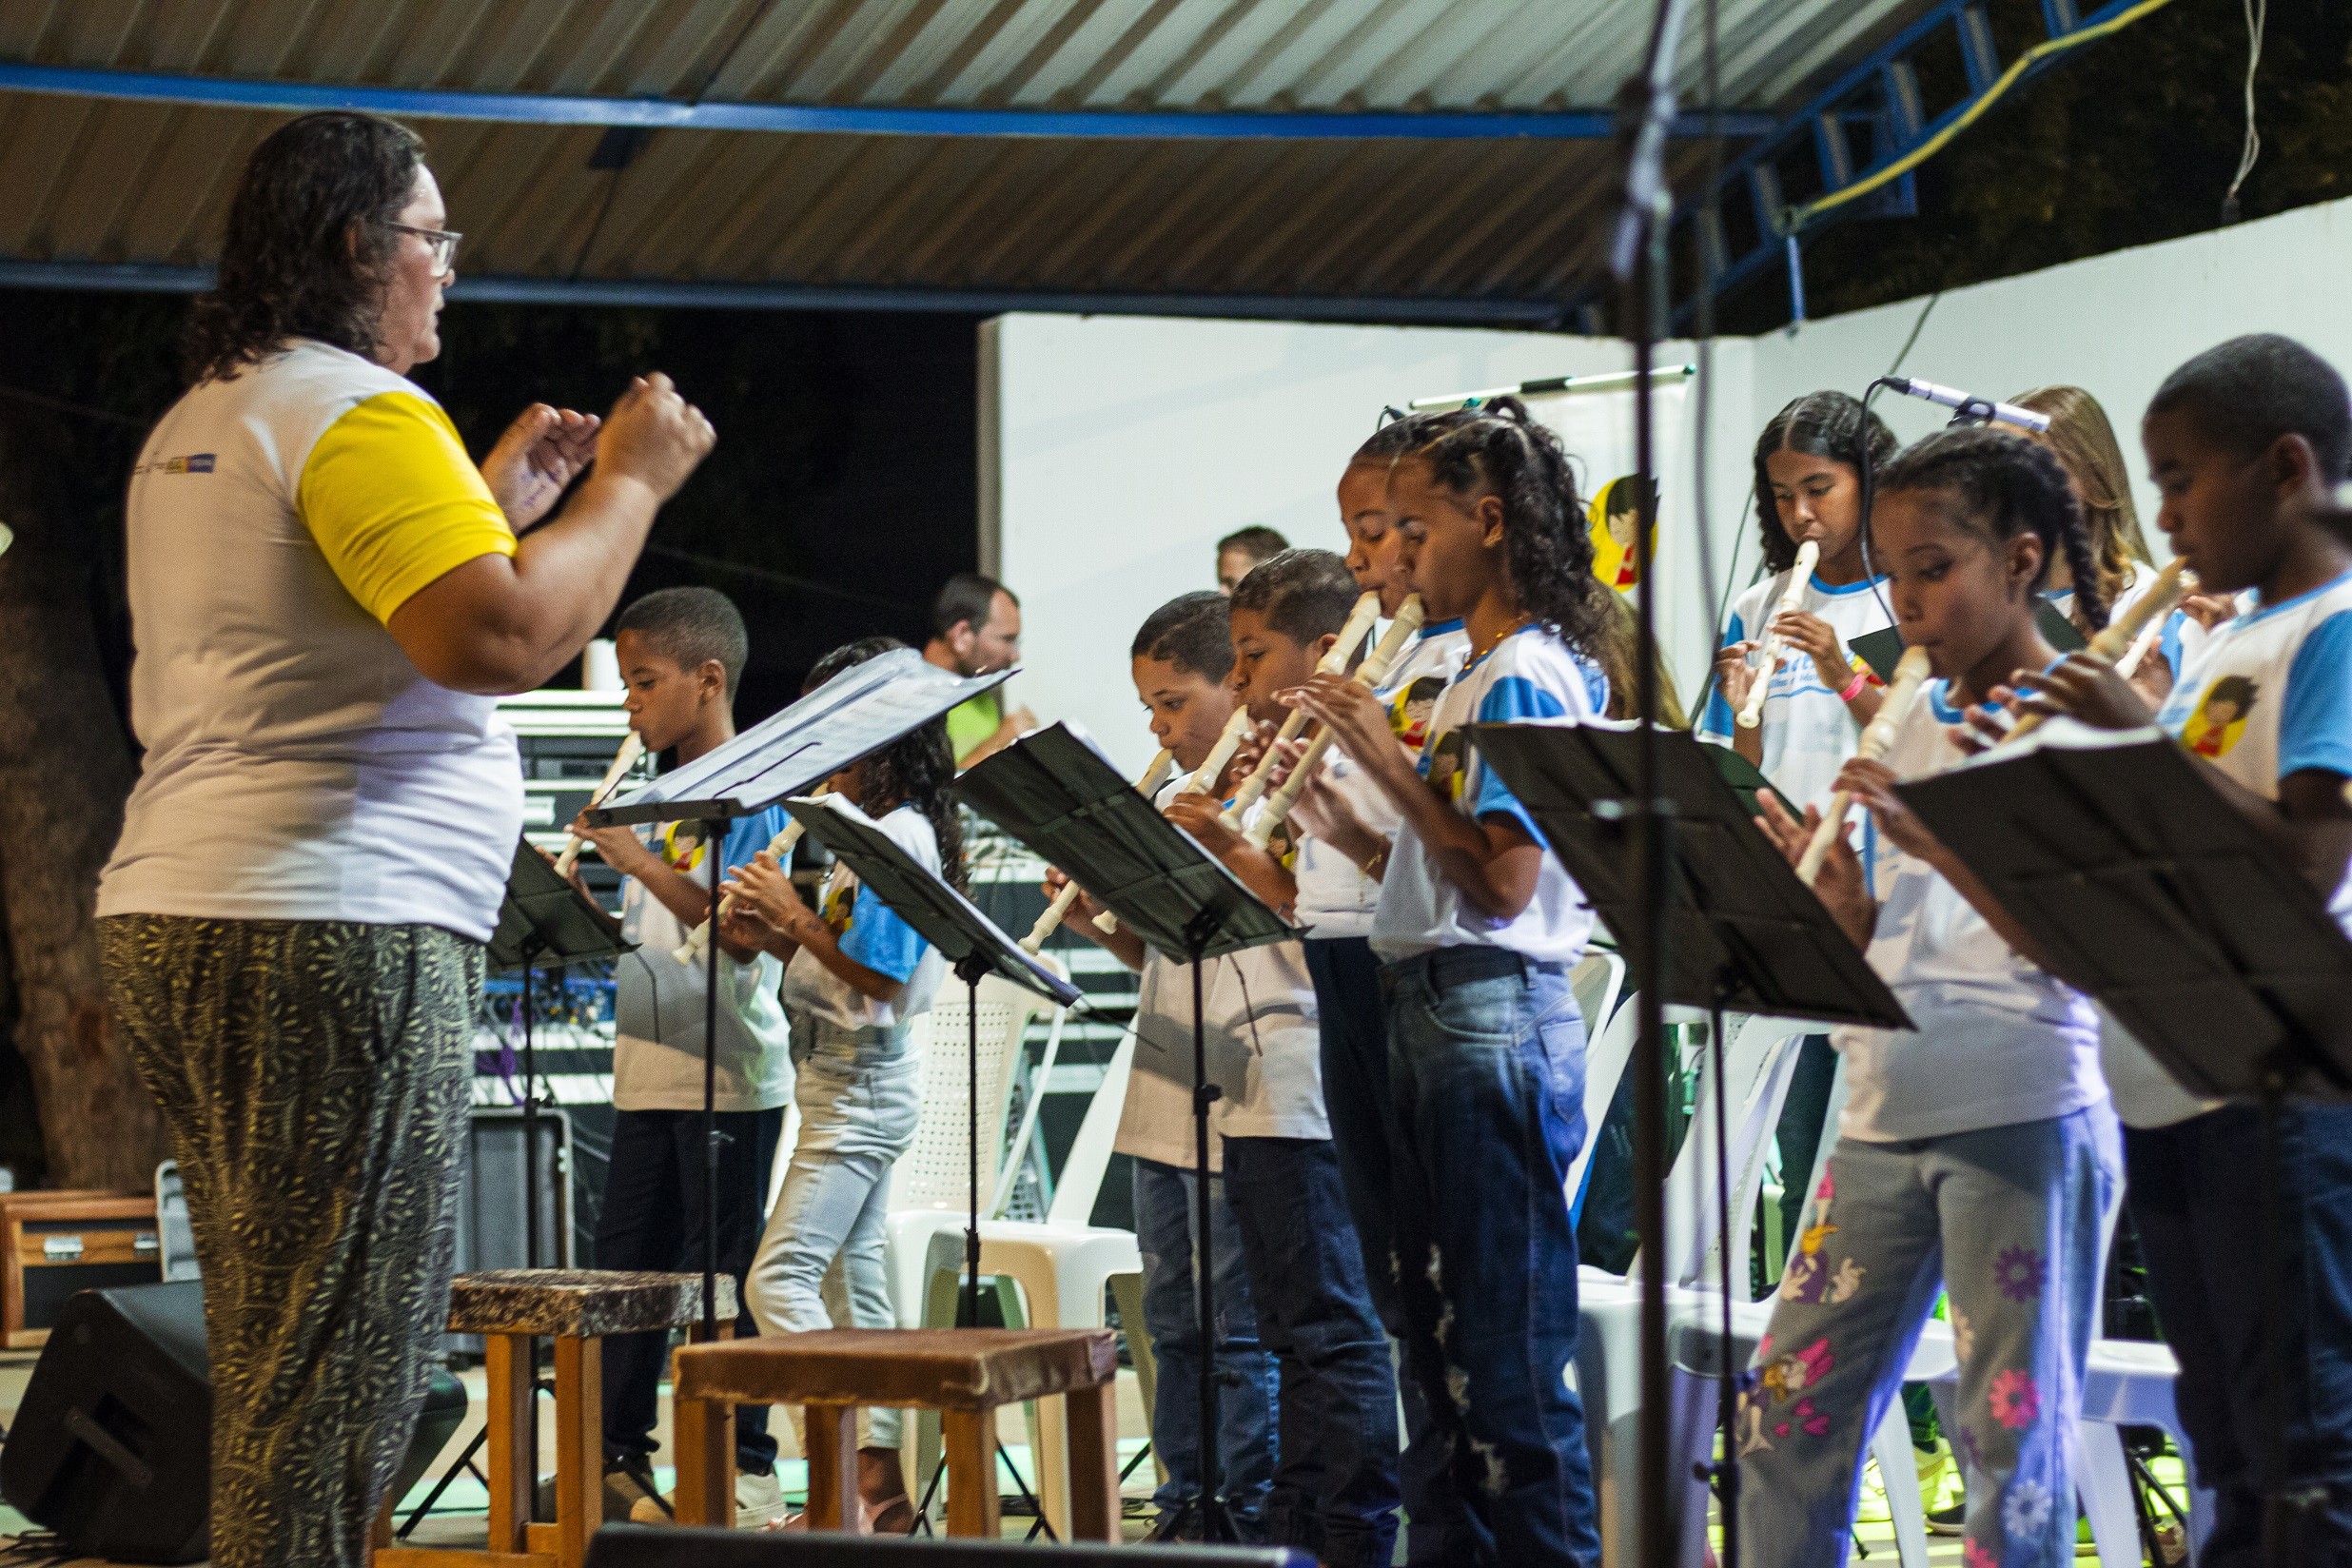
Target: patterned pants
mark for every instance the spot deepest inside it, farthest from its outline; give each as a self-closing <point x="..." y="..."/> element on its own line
<point x="314" y="1077"/>
<point x="2009" y="1221"/>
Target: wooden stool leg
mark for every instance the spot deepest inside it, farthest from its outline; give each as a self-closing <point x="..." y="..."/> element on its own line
<point x="702" y="1432"/>
<point x="579" y="1446"/>
<point x="971" y="1437"/>
<point x="506" y="1368"/>
<point x="1094" y="1464"/>
<point x="832" y="1466"/>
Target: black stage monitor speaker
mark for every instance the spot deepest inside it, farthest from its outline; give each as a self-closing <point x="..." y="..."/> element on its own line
<point x="113" y="1444"/>
<point x="660" y="1546"/>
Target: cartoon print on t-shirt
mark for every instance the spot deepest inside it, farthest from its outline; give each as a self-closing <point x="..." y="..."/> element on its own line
<point x="682" y="844"/>
<point x="839" y="901"/>
<point x="1410" y="710"/>
<point x="2220" y="718"/>
<point x="1445" y="764"/>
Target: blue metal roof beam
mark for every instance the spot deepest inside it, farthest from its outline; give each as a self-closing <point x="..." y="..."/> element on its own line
<point x="679" y="295"/>
<point x="1882" y="88"/>
<point x="828" y="119"/>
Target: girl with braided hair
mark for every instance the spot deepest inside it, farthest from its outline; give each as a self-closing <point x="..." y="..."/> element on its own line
<point x="1979" y="1153"/>
<point x="1476" y="928"/>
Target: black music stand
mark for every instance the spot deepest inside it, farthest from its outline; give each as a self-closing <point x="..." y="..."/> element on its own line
<point x="1062" y="799"/>
<point x="1740" y="931"/>
<point x="2147" y="889"/>
<point x="543" y="922"/>
<point x="859" y="712"/>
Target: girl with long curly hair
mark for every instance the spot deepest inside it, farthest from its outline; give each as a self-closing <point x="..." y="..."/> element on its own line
<point x="1477" y="927"/>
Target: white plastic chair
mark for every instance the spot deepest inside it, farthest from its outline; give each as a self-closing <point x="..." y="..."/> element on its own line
<point x="1599" y="982"/>
<point x="1062" y="1266"/>
<point x="1757" y="1066"/>
<point x="931" y="1185"/>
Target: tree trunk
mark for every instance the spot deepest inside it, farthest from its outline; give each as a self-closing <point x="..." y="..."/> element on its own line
<point x="65" y="769"/>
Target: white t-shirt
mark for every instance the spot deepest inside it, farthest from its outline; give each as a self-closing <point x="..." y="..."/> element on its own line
<point x="658" y="1007"/>
<point x="1998" y="1041"/>
<point x="873" y="935"/>
<point x="2269" y="695"/>
<point x="1264" y="1054"/>
<point x="1808" y="733"/>
<point x="298" y="766"/>
<point x="1335" y="898"/>
<point x="1529" y="675"/>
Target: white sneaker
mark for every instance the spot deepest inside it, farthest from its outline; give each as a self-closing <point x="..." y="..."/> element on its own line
<point x="759" y="1502"/>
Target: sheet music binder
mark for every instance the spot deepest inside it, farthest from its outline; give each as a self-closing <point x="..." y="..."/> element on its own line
<point x="1058" y="796"/>
<point x="1742" y="933"/>
<point x="942" y="916"/>
<point x="2150" y="891"/>
<point x="859" y="712"/>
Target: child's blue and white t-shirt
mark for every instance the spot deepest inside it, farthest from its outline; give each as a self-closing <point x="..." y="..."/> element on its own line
<point x="2000" y="1041"/>
<point x="873" y="935"/>
<point x="2269" y="695"/>
<point x="1529" y="675"/>
<point x="1808" y="733"/>
<point x="657" y="1001"/>
<point x="1335" y="898"/>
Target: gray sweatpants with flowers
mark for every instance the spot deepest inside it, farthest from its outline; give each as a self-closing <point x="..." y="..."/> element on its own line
<point x="2010" y="1222"/>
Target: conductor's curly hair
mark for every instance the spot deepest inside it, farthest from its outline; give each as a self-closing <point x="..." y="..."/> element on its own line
<point x="915" y="770"/>
<point x="1498" y="450"/>
<point x="1998" y="485"/>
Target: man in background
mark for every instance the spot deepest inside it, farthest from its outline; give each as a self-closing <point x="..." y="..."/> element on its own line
<point x="976" y="630"/>
<point x="1243" y="549"/>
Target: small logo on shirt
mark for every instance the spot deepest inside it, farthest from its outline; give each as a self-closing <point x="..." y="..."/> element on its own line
<point x="2220" y="719"/>
<point x="195" y="462"/>
<point x="681" y="846"/>
<point x="1444" y="764"/>
<point x="1410" y="710"/>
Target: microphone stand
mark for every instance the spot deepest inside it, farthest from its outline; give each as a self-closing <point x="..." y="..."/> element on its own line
<point x="1646" y="110"/>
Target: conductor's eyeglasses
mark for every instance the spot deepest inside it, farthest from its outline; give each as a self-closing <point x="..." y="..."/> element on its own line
<point x="444" y="244"/>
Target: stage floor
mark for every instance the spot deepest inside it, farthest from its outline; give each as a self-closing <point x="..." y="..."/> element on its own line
<point x="459" y="1519"/>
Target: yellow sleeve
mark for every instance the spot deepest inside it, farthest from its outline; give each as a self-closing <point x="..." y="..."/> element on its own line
<point x="394" y="502"/>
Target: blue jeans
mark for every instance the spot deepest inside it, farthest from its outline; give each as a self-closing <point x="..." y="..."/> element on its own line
<point x="1353" y="1021"/>
<point x="1486" y="1072"/>
<point x="1165" y="1228"/>
<point x="1335" y="1473"/>
<point x="2195" y="1199"/>
<point x="860" y="1096"/>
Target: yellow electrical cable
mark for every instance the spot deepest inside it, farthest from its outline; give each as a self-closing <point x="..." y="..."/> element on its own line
<point x="1799" y="217"/>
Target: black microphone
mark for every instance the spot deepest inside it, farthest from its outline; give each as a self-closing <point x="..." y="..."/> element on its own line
<point x="1968" y="404"/>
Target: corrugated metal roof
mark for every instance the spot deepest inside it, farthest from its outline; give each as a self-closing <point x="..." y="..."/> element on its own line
<point x="146" y="182"/>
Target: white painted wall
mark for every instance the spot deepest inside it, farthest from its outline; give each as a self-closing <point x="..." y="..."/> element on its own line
<point x="1128" y="446"/>
<point x="1124" y="447"/>
<point x="2116" y="325"/>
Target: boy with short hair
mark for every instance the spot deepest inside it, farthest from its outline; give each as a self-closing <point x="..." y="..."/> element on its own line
<point x="1183" y="659"/>
<point x="1335" y="1481"/>
<point x="2246" y="442"/>
<point x="681" y="654"/>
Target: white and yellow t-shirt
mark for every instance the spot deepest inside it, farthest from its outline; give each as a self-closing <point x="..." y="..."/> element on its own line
<point x="298" y="766"/>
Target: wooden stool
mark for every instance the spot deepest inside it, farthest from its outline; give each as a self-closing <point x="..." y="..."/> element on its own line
<point x="963" y="1373"/>
<point x="576" y="1308"/>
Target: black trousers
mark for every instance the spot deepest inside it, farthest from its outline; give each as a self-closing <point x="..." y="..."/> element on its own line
<point x="653" y="1220"/>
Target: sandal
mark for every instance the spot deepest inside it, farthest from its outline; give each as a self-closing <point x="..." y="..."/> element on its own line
<point x="891" y="1516"/>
